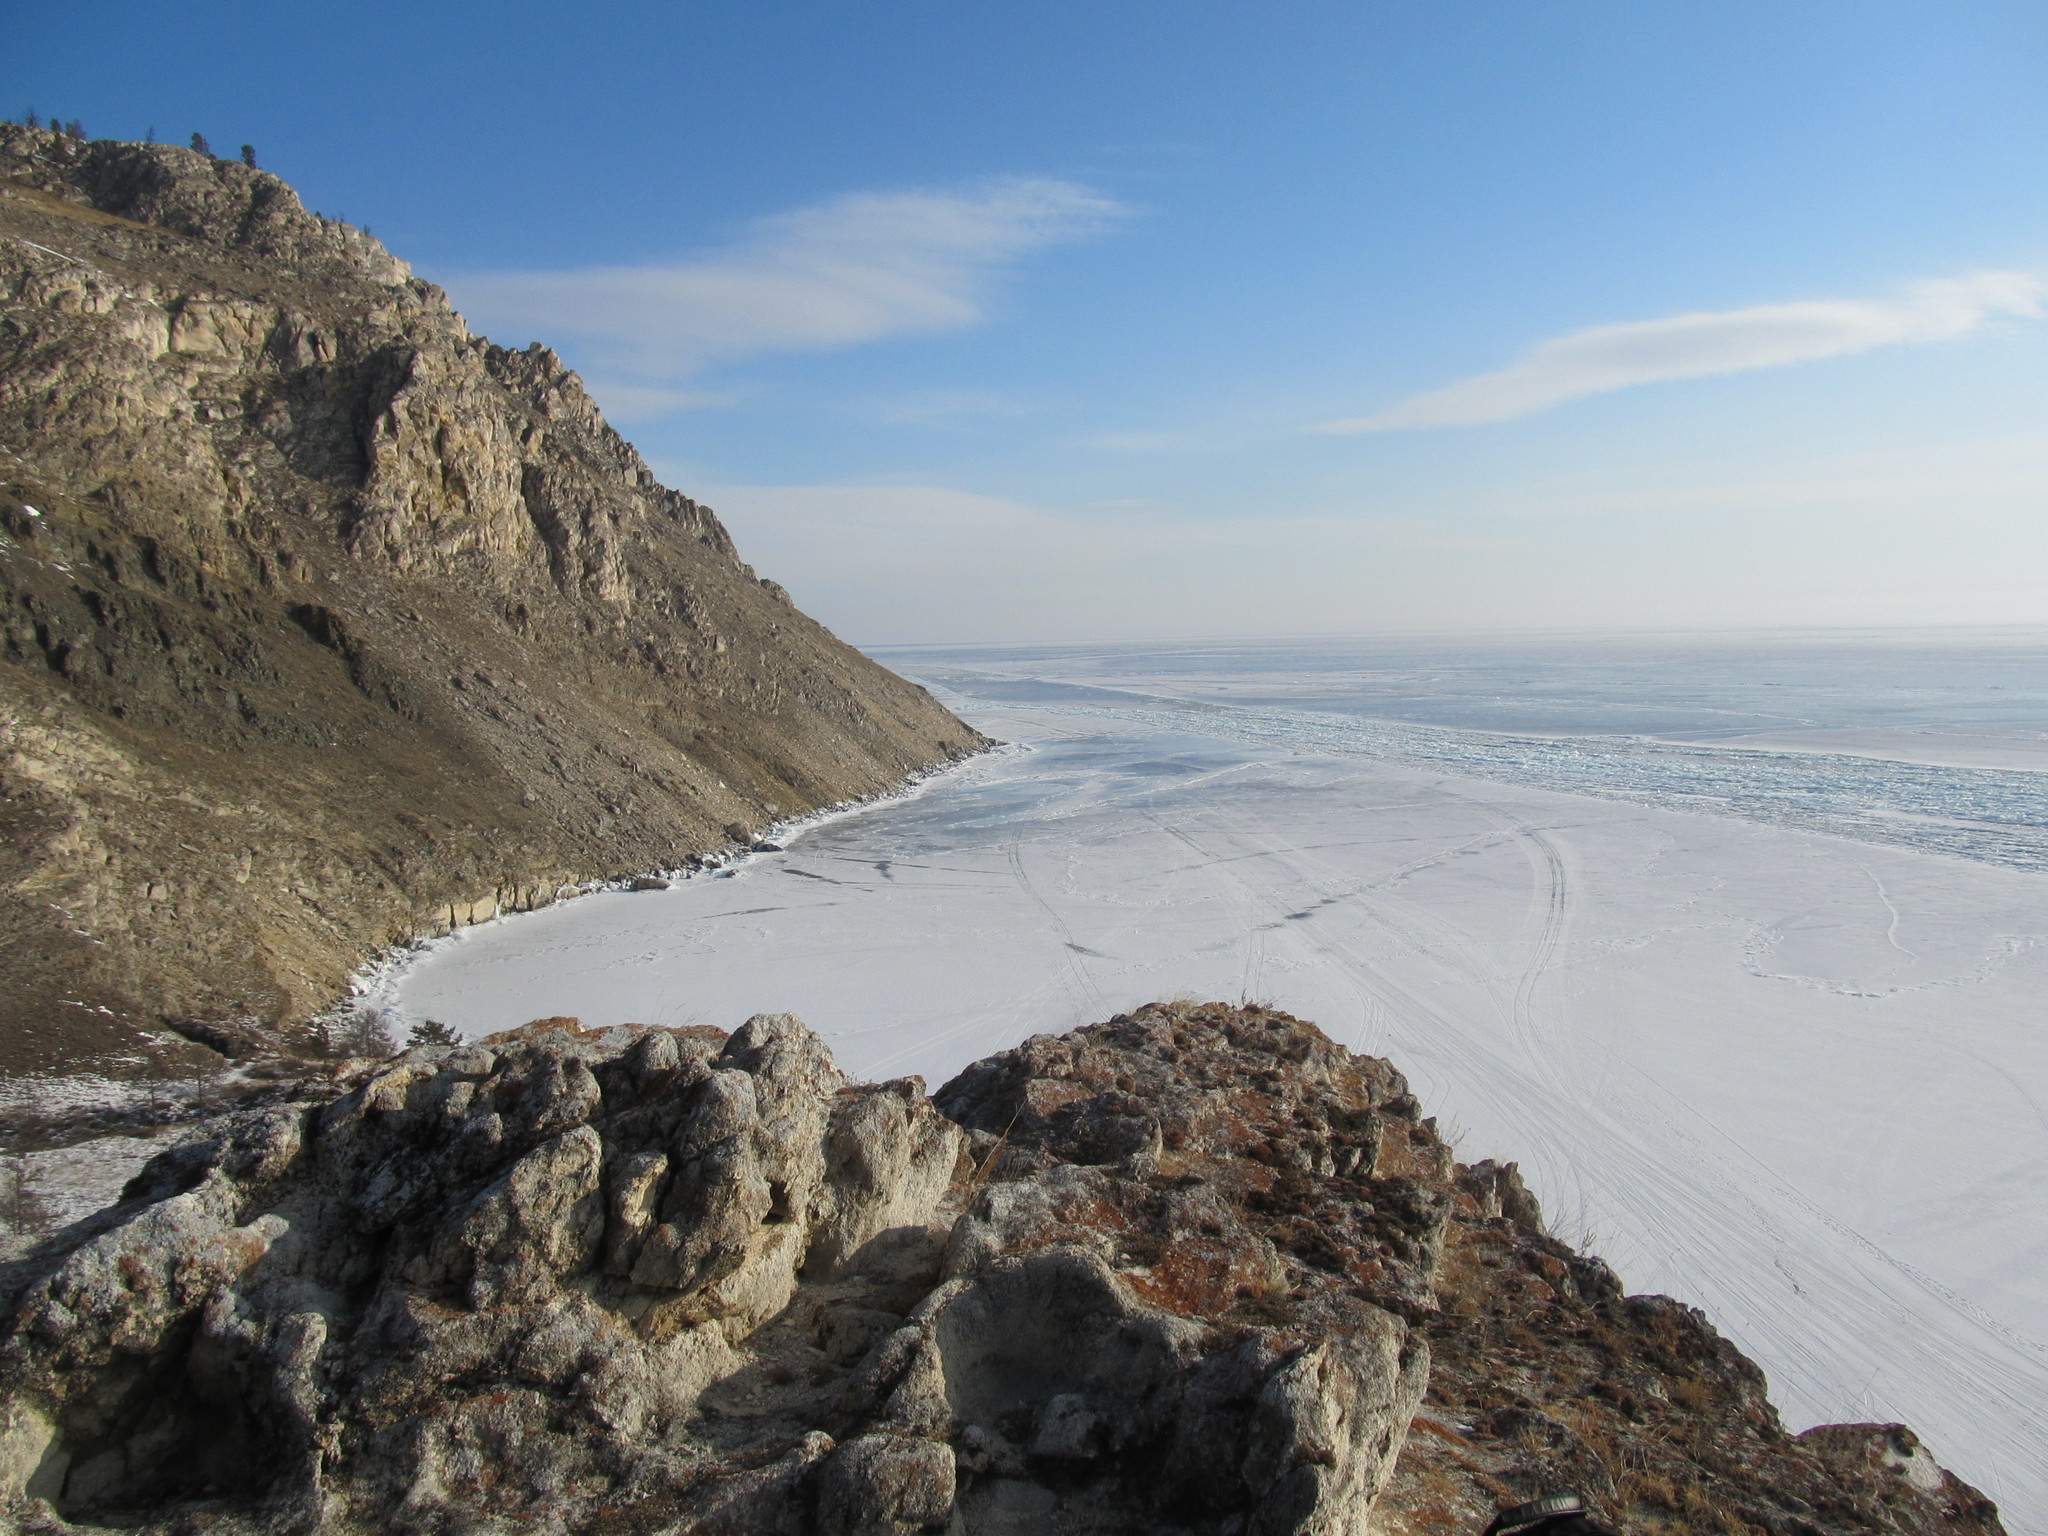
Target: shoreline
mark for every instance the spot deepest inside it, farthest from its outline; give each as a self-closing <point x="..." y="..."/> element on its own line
<point x="379" y="976"/>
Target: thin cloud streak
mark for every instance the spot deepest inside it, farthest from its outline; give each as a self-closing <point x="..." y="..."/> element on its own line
<point x="1610" y="357"/>
<point x="851" y="269"/>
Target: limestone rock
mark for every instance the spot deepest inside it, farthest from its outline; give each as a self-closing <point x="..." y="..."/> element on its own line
<point x="1180" y="1274"/>
<point x="434" y="1293"/>
<point x="885" y="1485"/>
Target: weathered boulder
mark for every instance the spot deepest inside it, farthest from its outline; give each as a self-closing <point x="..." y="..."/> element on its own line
<point x="492" y="1279"/>
<point x="1203" y="1244"/>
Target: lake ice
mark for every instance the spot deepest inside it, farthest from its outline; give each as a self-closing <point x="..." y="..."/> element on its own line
<point x="1739" y="948"/>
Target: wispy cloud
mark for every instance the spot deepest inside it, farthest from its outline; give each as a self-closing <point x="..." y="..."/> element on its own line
<point x="851" y="269"/>
<point x="1607" y="357"/>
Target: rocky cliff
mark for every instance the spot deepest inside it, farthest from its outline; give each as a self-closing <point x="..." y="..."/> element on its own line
<point x="1194" y="1270"/>
<point x="324" y="624"/>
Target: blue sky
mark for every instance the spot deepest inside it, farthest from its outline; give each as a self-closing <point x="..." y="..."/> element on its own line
<point x="1087" y="320"/>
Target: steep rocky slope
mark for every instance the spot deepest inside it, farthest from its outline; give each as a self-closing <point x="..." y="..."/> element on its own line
<point x="1195" y="1270"/>
<point x="324" y="624"/>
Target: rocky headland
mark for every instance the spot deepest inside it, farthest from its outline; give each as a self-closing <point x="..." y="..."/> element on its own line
<point x="325" y="625"/>
<point x="1193" y="1270"/>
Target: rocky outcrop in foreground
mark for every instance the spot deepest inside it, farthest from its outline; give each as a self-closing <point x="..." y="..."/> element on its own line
<point x="325" y="624"/>
<point x="1194" y="1270"/>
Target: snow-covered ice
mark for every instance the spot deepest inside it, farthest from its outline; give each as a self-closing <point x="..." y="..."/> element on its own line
<point x="67" y="1183"/>
<point x="1763" y="1027"/>
<point x="74" y="1178"/>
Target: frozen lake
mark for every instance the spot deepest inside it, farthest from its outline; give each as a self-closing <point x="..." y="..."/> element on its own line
<point x="1737" y="947"/>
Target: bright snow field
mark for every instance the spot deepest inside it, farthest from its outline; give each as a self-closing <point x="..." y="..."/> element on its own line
<point x="1797" y="1079"/>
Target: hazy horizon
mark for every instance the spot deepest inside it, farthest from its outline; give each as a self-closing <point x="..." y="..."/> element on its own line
<point x="2023" y="634"/>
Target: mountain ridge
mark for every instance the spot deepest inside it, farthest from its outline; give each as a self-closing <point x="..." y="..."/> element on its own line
<point x="325" y="625"/>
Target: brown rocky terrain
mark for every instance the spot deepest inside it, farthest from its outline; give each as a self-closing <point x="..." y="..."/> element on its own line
<point x="1194" y="1270"/>
<point x="324" y="624"/>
